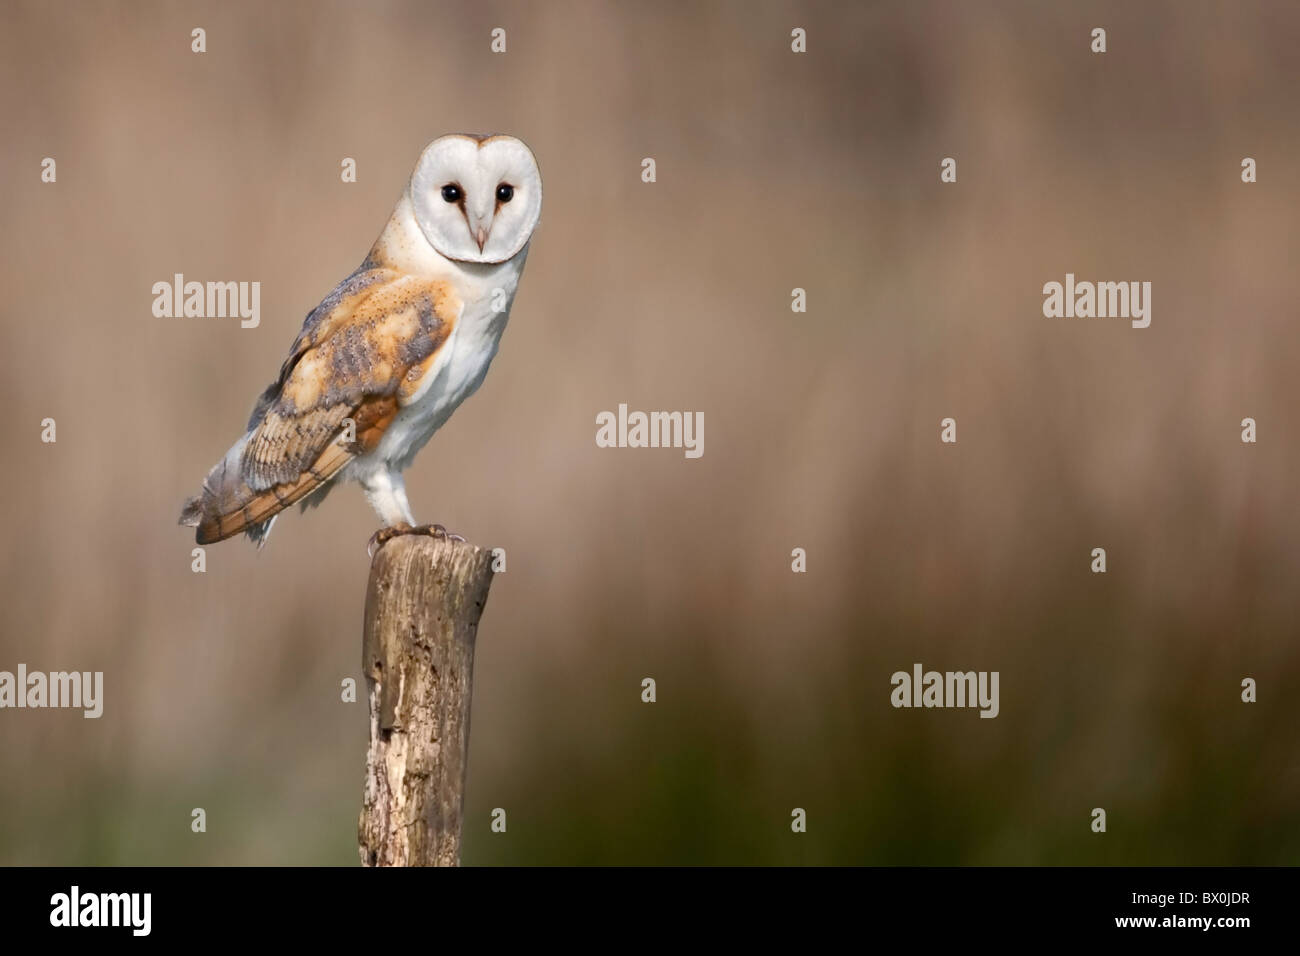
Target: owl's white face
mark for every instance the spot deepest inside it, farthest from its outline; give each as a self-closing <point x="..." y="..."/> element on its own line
<point x="477" y="199"/>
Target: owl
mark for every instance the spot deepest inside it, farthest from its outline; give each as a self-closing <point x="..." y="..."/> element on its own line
<point x="388" y="355"/>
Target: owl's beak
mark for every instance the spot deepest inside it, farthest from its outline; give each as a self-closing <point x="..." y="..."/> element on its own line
<point x="479" y="222"/>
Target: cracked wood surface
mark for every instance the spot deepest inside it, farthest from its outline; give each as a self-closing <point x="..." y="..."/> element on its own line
<point x="423" y="604"/>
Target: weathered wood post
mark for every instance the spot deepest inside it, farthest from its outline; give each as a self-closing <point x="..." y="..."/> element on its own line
<point x="423" y="604"/>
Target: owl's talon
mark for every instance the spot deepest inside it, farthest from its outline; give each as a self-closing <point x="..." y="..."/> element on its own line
<point x="383" y="534"/>
<point x="432" y="530"/>
<point x="437" y="531"/>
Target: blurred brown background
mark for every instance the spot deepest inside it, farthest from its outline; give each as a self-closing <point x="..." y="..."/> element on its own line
<point x="775" y="170"/>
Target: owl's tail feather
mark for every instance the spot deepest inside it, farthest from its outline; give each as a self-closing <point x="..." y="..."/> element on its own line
<point x="227" y="505"/>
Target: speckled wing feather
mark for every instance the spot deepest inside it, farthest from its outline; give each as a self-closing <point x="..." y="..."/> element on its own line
<point x="360" y="354"/>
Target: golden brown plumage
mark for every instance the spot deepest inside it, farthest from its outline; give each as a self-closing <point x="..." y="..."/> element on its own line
<point x="360" y="355"/>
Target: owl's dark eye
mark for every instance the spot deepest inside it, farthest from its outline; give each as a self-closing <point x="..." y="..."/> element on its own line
<point x="451" y="193"/>
<point x="505" y="192"/>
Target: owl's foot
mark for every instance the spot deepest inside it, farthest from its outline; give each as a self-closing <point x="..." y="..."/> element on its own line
<point x="383" y="534"/>
<point x="437" y="531"/>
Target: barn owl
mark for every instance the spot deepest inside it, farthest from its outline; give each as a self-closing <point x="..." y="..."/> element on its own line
<point x="388" y="355"/>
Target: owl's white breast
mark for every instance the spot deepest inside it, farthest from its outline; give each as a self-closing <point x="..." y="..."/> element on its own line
<point x="462" y="362"/>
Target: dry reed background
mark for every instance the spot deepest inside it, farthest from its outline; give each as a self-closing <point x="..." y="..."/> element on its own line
<point x="775" y="171"/>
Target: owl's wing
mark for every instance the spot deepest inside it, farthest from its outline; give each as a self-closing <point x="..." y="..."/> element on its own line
<point x="361" y="354"/>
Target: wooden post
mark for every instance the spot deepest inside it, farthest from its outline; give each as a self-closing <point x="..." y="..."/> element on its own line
<point x="423" y="604"/>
